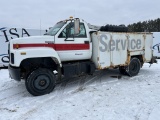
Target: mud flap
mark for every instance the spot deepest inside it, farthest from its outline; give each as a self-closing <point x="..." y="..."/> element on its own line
<point x="153" y="60"/>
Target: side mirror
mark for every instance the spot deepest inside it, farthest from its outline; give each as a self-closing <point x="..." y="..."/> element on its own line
<point x="76" y="26"/>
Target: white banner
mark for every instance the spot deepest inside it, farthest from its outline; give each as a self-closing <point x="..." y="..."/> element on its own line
<point x="7" y="34"/>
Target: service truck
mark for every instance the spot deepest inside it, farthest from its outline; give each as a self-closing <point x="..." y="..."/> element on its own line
<point x="72" y="48"/>
<point x="9" y="33"/>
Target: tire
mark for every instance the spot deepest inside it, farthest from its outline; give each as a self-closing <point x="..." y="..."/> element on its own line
<point x="122" y="70"/>
<point x="133" y="67"/>
<point x="41" y="81"/>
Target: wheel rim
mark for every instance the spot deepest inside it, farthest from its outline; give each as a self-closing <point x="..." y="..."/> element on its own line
<point x="41" y="82"/>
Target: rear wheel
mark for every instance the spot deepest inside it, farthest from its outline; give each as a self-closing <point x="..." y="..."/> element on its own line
<point x="40" y="82"/>
<point x="133" y="67"/>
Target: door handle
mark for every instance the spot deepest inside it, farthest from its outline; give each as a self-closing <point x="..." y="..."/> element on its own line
<point x="68" y="40"/>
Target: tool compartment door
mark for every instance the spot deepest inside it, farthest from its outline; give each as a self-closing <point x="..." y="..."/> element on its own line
<point x="148" y="47"/>
<point x="118" y="48"/>
<point x="104" y="51"/>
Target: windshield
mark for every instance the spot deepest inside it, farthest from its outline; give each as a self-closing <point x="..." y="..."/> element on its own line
<point x="53" y="31"/>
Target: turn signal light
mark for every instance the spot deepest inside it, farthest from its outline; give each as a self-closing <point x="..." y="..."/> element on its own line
<point x="16" y="46"/>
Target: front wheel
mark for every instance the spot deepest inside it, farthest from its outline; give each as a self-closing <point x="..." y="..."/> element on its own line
<point x="40" y="82"/>
<point x="133" y="67"/>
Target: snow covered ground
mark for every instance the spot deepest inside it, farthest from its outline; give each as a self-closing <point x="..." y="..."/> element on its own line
<point x="98" y="97"/>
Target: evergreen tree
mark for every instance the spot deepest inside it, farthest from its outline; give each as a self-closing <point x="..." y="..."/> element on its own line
<point x="148" y="26"/>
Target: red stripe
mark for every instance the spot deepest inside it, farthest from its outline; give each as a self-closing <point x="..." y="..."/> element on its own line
<point x="71" y="46"/>
<point x="58" y="47"/>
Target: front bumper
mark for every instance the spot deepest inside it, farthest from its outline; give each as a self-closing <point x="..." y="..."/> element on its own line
<point x="14" y="73"/>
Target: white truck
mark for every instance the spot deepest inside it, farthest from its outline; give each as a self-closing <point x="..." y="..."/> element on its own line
<point x="7" y="34"/>
<point x="156" y="44"/>
<point x="73" y="47"/>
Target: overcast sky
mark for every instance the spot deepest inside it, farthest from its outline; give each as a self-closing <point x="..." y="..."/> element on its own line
<point x="29" y="13"/>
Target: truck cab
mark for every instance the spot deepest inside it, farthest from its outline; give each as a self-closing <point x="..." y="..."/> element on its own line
<point x="67" y="43"/>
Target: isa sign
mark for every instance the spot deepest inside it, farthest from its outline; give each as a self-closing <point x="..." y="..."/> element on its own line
<point x="7" y="34"/>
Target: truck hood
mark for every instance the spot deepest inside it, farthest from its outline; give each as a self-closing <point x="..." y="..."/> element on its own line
<point x="33" y="40"/>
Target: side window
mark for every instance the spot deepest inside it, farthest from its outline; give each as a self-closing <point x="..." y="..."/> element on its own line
<point x="69" y="31"/>
<point x="63" y="34"/>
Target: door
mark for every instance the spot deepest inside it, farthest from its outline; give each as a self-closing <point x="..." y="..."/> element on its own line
<point x="118" y="46"/>
<point x="104" y="59"/>
<point x="72" y="47"/>
<point x="148" y="47"/>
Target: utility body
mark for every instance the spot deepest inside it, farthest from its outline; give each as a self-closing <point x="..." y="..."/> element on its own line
<point x="73" y="47"/>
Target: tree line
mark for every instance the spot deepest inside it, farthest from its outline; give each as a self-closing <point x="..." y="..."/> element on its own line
<point x="145" y="26"/>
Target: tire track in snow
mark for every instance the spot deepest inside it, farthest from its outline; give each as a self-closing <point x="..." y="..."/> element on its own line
<point x="59" y="95"/>
<point x="61" y="91"/>
<point x="12" y="95"/>
<point x="8" y="88"/>
<point x="82" y="82"/>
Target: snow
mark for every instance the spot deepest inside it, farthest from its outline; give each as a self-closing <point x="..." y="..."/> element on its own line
<point x="99" y="97"/>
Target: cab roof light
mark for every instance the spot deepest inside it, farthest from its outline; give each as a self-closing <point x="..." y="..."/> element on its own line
<point x="71" y="17"/>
